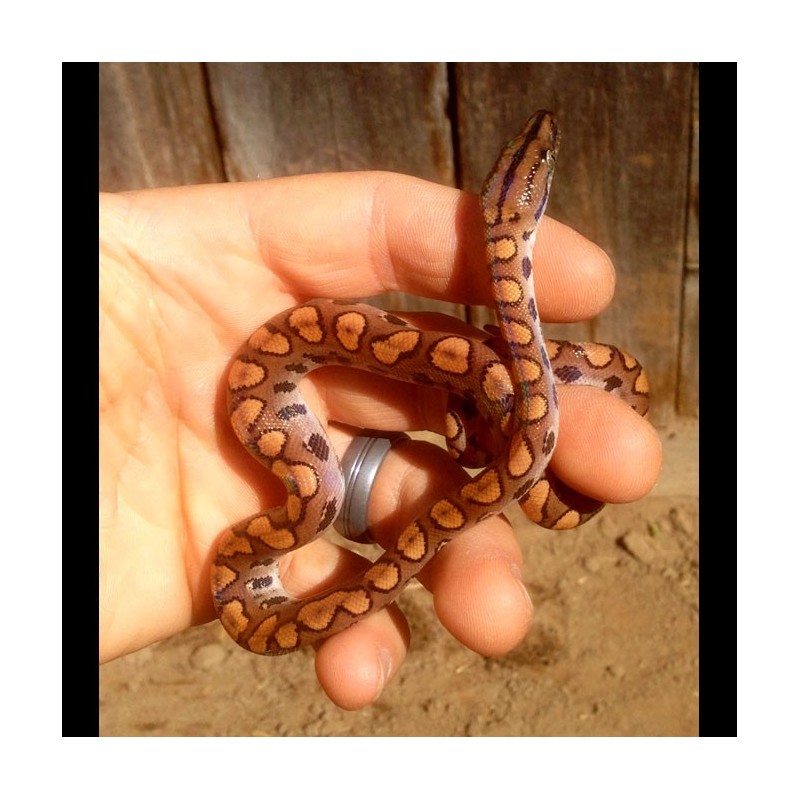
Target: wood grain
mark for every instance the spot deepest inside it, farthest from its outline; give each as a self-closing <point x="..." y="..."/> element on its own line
<point x="290" y="119"/>
<point x="155" y="127"/>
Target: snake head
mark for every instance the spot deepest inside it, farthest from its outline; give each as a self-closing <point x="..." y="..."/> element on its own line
<point x="517" y="187"/>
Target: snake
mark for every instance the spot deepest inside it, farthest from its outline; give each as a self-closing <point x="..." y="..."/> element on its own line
<point x="503" y="420"/>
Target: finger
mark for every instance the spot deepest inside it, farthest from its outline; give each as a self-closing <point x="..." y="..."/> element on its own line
<point x="349" y="235"/>
<point x="359" y="234"/>
<point x="476" y="579"/>
<point x="478" y="592"/>
<point x="604" y="449"/>
<point x="354" y="666"/>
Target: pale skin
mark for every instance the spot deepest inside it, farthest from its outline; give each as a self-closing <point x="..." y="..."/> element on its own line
<point x="186" y="274"/>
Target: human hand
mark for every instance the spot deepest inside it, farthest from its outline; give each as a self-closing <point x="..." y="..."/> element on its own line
<point x="186" y="275"/>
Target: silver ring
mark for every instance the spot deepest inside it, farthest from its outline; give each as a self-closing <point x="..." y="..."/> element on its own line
<point x="360" y="465"/>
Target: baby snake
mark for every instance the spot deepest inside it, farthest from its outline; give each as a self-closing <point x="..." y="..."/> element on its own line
<point x="509" y="379"/>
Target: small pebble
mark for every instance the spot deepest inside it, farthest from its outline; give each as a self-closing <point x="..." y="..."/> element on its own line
<point x="640" y="547"/>
<point x="208" y="656"/>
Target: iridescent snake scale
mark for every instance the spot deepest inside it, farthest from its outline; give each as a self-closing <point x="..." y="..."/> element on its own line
<point x="509" y="379"/>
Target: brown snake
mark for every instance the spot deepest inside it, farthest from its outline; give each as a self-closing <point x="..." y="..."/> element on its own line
<point x="509" y="380"/>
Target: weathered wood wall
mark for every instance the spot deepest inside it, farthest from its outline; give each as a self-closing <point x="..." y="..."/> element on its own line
<point x="627" y="174"/>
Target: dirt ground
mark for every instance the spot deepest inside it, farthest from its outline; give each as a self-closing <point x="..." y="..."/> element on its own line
<point x="613" y="650"/>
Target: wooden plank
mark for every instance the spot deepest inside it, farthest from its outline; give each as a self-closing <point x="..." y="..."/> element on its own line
<point x="290" y="119"/>
<point x="688" y="400"/>
<point x="621" y="181"/>
<point x="155" y="127"/>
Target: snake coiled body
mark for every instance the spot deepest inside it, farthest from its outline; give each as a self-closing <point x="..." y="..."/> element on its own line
<point x="509" y="380"/>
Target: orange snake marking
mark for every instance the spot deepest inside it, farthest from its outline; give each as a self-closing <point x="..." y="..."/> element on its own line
<point x="507" y="382"/>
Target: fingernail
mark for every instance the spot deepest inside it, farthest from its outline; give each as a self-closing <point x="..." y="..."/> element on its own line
<point x="386" y="665"/>
<point x="517" y="573"/>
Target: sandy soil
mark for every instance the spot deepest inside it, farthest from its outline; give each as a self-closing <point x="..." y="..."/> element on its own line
<point x="613" y="650"/>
